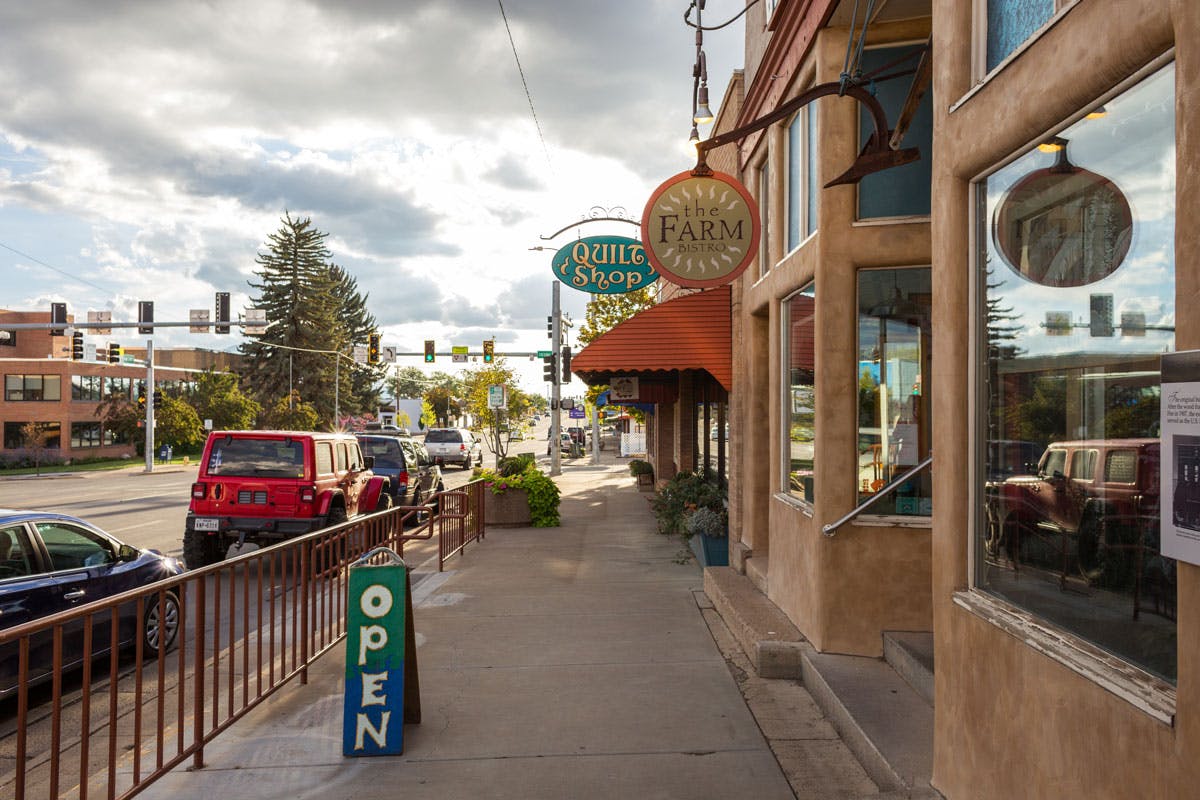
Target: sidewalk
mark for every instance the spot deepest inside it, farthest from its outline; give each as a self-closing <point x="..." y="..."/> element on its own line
<point x="575" y="662"/>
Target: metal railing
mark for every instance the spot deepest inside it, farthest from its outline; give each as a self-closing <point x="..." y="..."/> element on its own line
<point x="831" y="528"/>
<point x="242" y="629"/>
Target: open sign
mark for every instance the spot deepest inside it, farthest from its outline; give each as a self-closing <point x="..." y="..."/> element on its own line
<point x="379" y="636"/>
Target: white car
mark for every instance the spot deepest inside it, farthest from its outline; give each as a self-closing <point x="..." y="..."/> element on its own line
<point x="454" y="446"/>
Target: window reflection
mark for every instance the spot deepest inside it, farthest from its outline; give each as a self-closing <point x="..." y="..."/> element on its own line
<point x="894" y="347"/>
<point x="1079" y="303"/>
<point x="800" y="402"/>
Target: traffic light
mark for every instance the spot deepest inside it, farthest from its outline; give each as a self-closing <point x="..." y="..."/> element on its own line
<point x="429" y="351"/>
<point x="550" y="327"/>
<point x="373" y="348"/>
<point x="77" y="346"/>
<point x="548" y="369"/>
<point x="114" y="353"/>
<point x="489" y="350"/>
<point x="222" y="312"/>
<point x="145" y="316"/>
<point x="157" y="399"/>
<point x="141" y="396"/>
<point x="566" y="364"/>
<point x="58" y="317"/>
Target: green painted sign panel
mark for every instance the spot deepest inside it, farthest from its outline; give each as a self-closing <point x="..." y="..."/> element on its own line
<point x="545" y="353"/>
<point x="376" y="618"/>
<point x="604" y="265"/>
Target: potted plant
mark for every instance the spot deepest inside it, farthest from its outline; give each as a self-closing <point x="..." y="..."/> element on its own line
<point x="643" y="471"/>
<point x="707" y="533"/>
<point x="521" y="495"/>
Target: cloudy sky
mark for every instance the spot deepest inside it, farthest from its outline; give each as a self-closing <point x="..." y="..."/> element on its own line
<point x="149" y="147"/>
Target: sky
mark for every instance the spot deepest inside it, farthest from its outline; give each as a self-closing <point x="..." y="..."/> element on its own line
<point x="148" y="148"/>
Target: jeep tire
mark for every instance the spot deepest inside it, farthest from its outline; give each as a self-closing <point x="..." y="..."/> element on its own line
<point x="336" y="516"/>
<point x="201" y="549"/>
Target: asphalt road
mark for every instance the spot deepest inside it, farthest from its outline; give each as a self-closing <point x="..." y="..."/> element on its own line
<point x="145" y="510"/>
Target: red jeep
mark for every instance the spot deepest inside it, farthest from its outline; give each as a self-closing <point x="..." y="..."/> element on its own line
<point x="1091" y="507"/>
<point x="266" y="486"/>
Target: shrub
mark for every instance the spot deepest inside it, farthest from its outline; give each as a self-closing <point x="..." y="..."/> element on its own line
<point x="639" y="467"/>
<point x="707" y="522"/>
<point x="682" y="495"/>
<point x="514" y="465"/>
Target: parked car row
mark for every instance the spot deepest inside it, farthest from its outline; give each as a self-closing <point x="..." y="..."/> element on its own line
<point x="51" y="563"/>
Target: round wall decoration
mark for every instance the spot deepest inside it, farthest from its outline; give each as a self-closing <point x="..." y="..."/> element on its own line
<point x="700" y="231"/>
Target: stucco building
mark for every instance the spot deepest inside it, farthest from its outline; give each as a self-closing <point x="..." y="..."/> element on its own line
<point x="999" y="309"/>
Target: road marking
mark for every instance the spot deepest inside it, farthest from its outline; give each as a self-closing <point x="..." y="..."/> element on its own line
<point x="132" y="527"/>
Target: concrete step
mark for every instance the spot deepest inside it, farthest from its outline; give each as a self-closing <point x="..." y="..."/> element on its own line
<point x="910" y="653"/>
<point x="766" y="635"/>
<point x="885" y="721"/>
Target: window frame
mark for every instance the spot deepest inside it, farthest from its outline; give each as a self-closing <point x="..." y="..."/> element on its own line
<point x="785" y="396"/>
<point x="1118" y="674"/>
<point x="25" y="388"/>
<point x="979" y="34"/>
<point x="762" y="185"/>
<point x="802" y="177"/>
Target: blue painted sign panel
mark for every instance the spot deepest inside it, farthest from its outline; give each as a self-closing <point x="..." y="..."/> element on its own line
<point x="373" y="714"/>
<point x="604" y="265"/>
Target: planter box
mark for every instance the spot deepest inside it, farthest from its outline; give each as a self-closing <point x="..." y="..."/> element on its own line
<point x="510" y="509"/>
<point x="645" y="481"/>
<point x="710" y="551"/>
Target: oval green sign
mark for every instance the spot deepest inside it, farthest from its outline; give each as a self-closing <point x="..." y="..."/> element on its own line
<point x="604" y="265"/>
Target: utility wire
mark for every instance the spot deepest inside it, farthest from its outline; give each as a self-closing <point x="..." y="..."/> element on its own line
<point x="70" y="275"/>
<point x="528" y="96"/>
<point x="687" y="18"/>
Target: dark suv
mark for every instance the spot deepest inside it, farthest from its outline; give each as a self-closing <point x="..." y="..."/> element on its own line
<point x="1094" y="502"/>
<point x="412" y="476"/>
<point x="266" y="486"/>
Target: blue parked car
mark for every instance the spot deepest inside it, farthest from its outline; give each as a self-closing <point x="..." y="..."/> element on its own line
<point x="51" y="563"/>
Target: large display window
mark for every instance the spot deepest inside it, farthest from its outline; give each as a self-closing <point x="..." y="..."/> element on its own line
<point x="799" y="402"/>
<point x="894" y="356"/>
<point x="1076" y="271"/>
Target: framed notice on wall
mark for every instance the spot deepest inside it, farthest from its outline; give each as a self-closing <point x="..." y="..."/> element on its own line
<point x="1180" y="486"/>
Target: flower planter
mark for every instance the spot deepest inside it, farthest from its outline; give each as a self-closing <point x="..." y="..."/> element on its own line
<point x="710" y="551"/>
<point x="645" y="481"/>
<point x="510" y="509"/>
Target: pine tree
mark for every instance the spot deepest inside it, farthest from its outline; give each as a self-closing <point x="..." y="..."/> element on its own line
<point x="359" y="382"/>
<point x="311" y="305"/>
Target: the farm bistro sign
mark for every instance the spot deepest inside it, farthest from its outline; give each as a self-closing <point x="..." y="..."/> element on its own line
<point x="700" y="230"/>
<point x="603" y="265"/>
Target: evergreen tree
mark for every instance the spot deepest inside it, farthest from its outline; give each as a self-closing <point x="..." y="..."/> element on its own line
<point x="360" y="383"/>
<point x="311" y="304"/>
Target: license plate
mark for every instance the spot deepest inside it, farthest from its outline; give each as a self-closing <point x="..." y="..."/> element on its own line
<point x="203" y="524"/>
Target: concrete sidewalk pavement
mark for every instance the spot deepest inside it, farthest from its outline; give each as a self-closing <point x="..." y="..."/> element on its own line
<point x="575" y="662"/>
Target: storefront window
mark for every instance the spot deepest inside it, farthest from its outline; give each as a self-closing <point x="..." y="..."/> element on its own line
<point x="85" y="387"/>
<point x="32" y="387"/>
<point x="800" y="402"/>
<point x="118" y="387"/>
<point x="1077" y="247"/>
<point x="764" y="206"/>
<point x="894" y="348"/>
<point x="85" y="434"/>
<point x="14" y="435"/>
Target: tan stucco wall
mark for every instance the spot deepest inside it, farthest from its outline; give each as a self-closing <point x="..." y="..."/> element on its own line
<point x="841" y="592"/>
<point x="1010" y="721"/>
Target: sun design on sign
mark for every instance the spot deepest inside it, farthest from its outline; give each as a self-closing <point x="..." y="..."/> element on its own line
<point x="682" y="197"/>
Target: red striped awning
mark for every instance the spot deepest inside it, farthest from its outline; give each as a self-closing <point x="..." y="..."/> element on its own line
<point x="692" y="331"/>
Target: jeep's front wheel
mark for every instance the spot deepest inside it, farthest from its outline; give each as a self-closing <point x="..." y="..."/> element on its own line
<point x="337" y="515"/>
<point x="200" y="549"/>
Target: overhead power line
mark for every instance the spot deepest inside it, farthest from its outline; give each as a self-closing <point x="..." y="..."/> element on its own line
<point x="525" y="84"/>
<point x="63" y="272"/>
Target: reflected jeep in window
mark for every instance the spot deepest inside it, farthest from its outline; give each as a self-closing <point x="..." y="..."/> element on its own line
<point x="267" y="486"/>
<point x="1091" y="510"/>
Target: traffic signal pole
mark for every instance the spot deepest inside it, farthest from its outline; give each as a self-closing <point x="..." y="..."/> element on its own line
<point x="150" y="405"/>
<point x="555" y="392"/>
